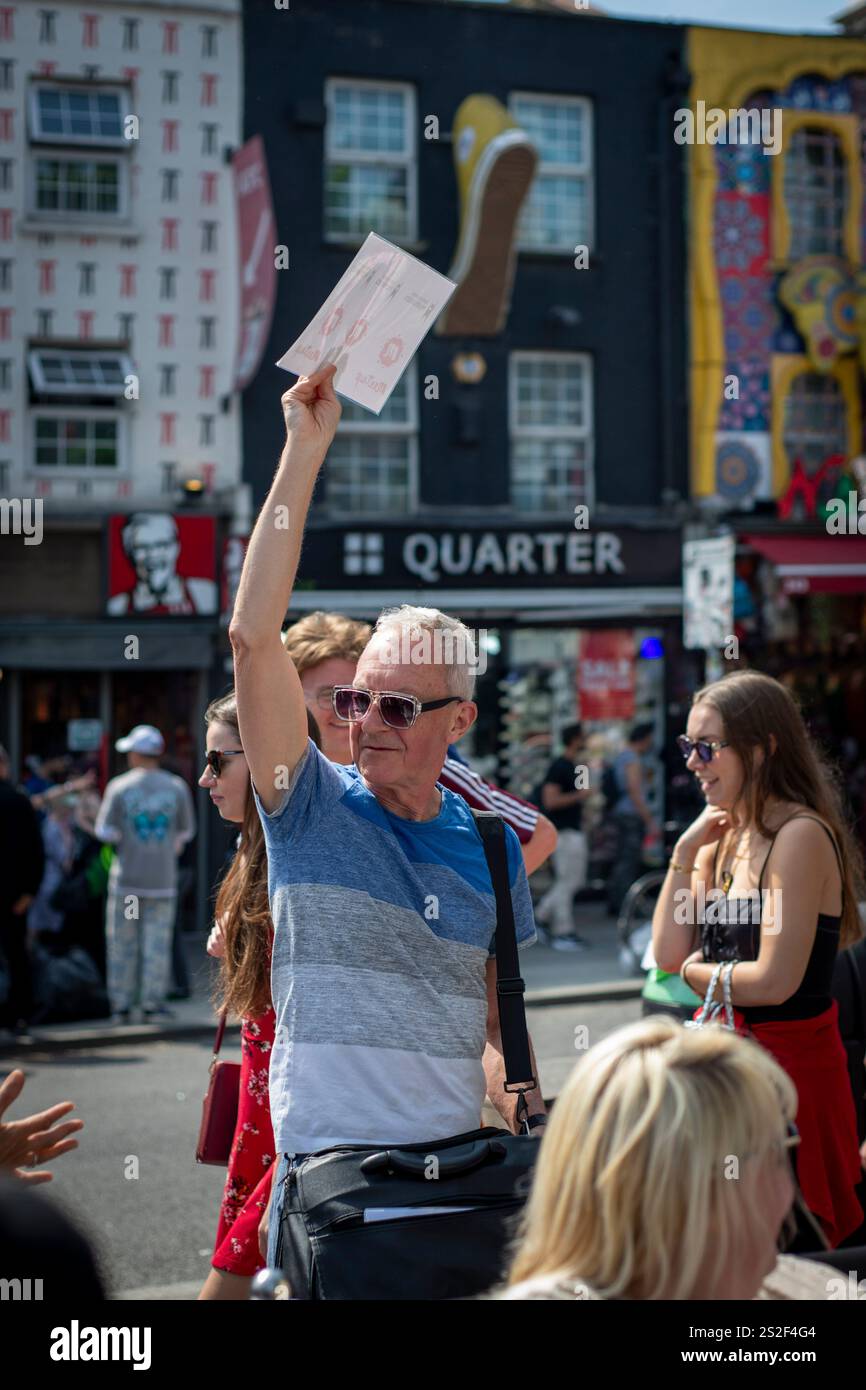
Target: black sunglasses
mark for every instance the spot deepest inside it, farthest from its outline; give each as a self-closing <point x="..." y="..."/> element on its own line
<point x="214" y="758"/>
<point x="704" y="747"/>
<point x="397" y="711"/>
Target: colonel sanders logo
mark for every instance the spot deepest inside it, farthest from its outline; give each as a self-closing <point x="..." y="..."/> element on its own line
<point x="152" y="544"/>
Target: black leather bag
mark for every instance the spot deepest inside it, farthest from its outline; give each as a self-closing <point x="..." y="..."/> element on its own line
<point x="423" y="1221"/>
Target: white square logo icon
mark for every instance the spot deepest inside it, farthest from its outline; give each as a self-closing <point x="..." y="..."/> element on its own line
<point x="363" y="553"/>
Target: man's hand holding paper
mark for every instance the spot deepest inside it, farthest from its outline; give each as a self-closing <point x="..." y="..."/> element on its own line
<point x="372" y="323"/>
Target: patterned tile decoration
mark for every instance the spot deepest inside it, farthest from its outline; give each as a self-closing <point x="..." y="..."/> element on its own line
<point x="751" y="318"/>
<point x="743" y="468"/>
<point x="824" y="300"/>
<point x="741" y="233"/>
<point x="857" y="88"/>
<point x="818" y="94"/>
<point x="786" y="338"/>
<point x="755" y="323"/>
<point x="751" y="410"/>
<point x="743" y="168"/>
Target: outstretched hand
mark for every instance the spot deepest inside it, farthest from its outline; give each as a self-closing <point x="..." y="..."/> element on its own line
<point x="36" y="1138"/>
<point x="311" y="409"/>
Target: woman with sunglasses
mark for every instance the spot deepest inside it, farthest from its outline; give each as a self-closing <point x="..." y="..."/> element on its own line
<point x="242" y="939"/>
<point x="765" y="884"/>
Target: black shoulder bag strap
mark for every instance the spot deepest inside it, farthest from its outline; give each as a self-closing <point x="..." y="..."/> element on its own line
<point x="509" y="986"/>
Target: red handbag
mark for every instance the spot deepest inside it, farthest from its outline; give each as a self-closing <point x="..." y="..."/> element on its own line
<point x="219" y="1112"/>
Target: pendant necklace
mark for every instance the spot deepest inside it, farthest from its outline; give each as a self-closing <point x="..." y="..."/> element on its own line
<point x="727" y="875"/>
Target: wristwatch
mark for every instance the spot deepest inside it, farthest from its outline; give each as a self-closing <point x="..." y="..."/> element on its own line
<point x="534" y="1121"/>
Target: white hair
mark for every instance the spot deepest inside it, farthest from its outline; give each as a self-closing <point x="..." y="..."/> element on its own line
<point x="427" y="637"/>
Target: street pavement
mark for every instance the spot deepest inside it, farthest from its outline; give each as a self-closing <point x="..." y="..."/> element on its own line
<point x="133" y="1184"/>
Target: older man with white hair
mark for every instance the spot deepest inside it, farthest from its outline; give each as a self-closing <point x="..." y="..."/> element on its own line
<point x="384" y="970"/>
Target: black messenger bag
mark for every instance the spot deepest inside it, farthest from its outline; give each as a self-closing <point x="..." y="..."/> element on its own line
<point x="423" y="1221"/>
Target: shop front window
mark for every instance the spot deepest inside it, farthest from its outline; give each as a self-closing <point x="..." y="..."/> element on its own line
<point x="545" y="684"/>
<point x="50" y="702"/>
<point x="167" y="699"/>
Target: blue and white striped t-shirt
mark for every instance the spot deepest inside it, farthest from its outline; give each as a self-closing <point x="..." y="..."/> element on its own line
<point x="382" y="931"/>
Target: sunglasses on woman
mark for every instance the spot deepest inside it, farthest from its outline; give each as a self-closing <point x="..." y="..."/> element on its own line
<point x="397" y="711"/>
<point x="323" y="697"/>
<point x="704" y="747"/>
<point x="214" y="758"/>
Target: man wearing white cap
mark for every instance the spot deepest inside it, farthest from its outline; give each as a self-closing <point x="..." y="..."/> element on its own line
<point x="147" y="814"/>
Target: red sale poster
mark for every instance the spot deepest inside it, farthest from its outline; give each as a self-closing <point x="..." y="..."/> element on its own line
<point x="605" y="675"/>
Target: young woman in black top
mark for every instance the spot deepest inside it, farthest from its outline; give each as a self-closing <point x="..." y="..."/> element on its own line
<point x="769" y="877"/>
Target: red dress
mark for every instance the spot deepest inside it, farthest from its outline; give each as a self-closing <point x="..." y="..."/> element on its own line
<point x="811" y="1051"/>
<point x="248" y="1184"/>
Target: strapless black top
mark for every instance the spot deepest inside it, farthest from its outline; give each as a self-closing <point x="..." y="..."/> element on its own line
<point x="731" y="930"/>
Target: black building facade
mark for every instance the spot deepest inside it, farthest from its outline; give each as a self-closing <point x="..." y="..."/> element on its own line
<point x="467" y="492"/>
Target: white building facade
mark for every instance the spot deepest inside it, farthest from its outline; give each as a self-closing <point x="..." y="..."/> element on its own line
<point x="118" y="297"/>
<point x="119" y="421"/>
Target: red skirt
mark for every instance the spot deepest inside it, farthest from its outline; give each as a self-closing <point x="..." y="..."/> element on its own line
<point x="810" y="1050"/>
<point x="248" y="1183"/>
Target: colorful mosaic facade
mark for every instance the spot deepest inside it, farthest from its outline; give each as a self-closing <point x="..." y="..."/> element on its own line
<point x="777" y="286"/>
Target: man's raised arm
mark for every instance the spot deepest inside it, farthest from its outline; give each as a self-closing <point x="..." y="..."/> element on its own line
<point x="271" y="711"/>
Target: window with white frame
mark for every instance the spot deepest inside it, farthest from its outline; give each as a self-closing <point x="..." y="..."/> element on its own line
<point x="558" y="213"/>
<point x="551" y="426"/>
<point x="370" y="163"/>
<point x="79" y="156"/>
<point x="373" y="461"/>
<point x="78" y="115"/>
<point x="76" y="439"/>
<point x="69" y="442"/>
<point x="74" y="373"/>
<point x="92" y="186"/>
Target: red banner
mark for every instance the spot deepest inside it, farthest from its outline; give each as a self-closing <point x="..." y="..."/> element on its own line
<point x="605" y="675"/>
<point x="234" y="550"/>
<point x="257" y="234"/>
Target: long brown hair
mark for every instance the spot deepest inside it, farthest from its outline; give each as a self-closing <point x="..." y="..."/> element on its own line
<point x="241" y="908"/>
<point x="753" y="707"/>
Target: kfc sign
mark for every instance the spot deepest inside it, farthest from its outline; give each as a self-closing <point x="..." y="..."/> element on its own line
<point x="160" y="565"/>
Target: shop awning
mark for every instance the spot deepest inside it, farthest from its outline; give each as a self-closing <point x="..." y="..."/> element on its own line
<point x="815" y="564"/>
<point x="29" y="644"/>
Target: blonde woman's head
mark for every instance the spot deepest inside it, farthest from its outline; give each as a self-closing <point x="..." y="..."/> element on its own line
<point x="664" y="1171"/>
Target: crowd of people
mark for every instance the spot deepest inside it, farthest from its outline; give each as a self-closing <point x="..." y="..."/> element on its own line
<point x="359" y="938"/>
<point x="89" y="920"/>
<point x="364" y="805"/>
